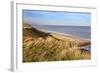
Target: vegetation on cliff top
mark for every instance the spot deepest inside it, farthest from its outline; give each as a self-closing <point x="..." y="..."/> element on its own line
<point x="39" y="46"/>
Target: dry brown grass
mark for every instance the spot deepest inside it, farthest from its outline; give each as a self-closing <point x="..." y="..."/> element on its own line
<point x="53" y="47"/>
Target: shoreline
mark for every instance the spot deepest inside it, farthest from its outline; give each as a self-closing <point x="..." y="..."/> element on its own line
<point x="64" y="34"/>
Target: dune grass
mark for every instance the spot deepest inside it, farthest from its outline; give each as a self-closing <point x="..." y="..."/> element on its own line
<point x="53" y="47"/>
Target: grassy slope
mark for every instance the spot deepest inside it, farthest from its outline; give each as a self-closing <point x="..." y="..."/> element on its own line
<point x="52" y="47"/>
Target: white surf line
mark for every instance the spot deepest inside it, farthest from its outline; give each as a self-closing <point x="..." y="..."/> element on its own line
<point x="27" y="27"/>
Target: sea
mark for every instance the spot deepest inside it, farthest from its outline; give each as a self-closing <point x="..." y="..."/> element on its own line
<point x="79" y="31"/>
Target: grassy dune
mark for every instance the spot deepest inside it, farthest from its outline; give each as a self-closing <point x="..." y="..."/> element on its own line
<point x="39" y="45"/>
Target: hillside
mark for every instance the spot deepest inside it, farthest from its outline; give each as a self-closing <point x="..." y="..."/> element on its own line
<point x="39" y="45"/>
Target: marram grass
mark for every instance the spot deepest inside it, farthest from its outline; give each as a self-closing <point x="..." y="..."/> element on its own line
<point x="39" y="47"/>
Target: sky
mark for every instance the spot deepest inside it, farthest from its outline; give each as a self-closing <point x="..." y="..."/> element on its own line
<point x="56" y="18"/>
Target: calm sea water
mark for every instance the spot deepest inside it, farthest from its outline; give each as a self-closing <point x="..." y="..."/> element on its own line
<point x="79" y="31"/>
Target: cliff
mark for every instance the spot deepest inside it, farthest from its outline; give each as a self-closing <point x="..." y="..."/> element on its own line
<point x="40" y="45"/>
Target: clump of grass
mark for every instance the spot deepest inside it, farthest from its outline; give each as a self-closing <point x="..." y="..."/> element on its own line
<point x="51" y="48"/>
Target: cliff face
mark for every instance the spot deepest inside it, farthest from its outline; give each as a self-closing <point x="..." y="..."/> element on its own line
<point x="39" y="45"/>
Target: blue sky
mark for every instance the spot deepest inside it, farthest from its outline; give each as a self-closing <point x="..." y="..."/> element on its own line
<point x="56" y="18"/>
